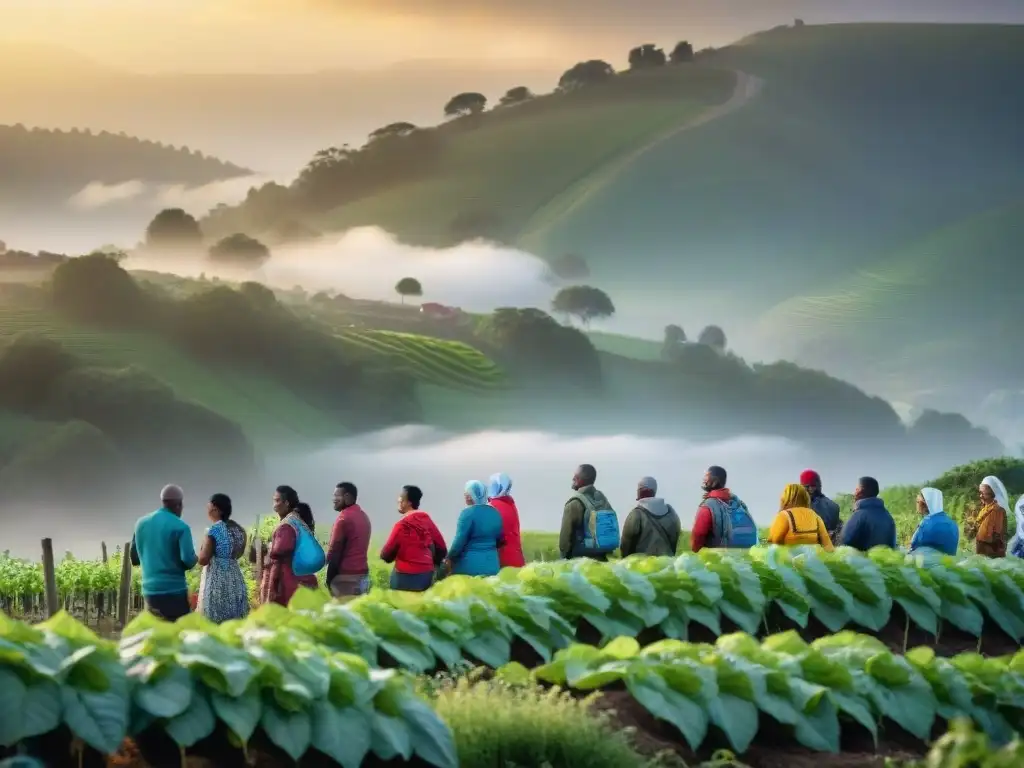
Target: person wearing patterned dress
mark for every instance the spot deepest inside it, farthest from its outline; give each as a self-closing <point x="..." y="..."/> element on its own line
<point x="222" y="592"/>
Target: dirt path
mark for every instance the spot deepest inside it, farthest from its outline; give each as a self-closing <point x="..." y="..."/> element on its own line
<point x="746" y="88"/>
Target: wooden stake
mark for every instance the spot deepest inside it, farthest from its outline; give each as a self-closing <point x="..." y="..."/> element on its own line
<point x="124" y="594"/>
<point x="257" y="569"/>
<point x="49" y="578"/>
<point x="103" y="549"/>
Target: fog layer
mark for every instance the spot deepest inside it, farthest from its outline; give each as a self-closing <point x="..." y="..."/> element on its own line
<point x="540" y="464"/>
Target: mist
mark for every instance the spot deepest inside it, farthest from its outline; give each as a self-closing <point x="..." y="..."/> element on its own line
<point x="540" y="464"/>
<point x="197" y="200"/>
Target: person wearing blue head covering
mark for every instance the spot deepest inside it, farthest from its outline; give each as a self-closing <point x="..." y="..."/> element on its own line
<point x="478" y="535"/>
<point x="937" y="530"/>
<point x="499" y="494"/>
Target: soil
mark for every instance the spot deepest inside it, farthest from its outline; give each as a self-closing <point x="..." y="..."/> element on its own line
<point x="773" y="748"/>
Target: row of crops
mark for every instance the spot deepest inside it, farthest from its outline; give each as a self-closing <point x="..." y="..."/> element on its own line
<point x="442" y="362"/>
<point x="336" y="679"/>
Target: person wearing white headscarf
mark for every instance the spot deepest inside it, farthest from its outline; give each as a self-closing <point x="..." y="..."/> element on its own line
<point x="478" y="535"/>
<point x="990" y="539"/>
<point x="937" y="530"/>
<point x="499" y="493"/>
<point x="1016" y="545"/>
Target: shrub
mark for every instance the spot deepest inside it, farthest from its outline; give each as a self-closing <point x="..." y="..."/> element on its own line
<point x="965" y="479"/>
<point x="173" y="227"/>
<point x="239" y="249"/>
<point x="97" y="289"/>
<point x="28" y="366"/>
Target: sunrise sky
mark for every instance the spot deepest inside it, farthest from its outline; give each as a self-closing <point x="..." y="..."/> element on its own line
<point x="303" y="35"/>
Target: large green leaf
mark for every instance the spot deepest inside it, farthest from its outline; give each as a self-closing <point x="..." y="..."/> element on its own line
<point x="168" y="695"/>
<point x="736" y="718"/>
<point x="688" y="716"/>
<point x="41" y="708"/>
<point x="195" y="723"/>
<point x="239" y="713"/>
<point x="390" y="737"/>
<point x="98" y="719"/>
<point x="431" y="738"/>
<point x="342" y="734"/>
<point x="291" y="731"/>
<point x="12" y="698"/>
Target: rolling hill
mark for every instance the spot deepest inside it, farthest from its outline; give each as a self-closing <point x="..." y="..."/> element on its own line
<point x="826" y="218"/>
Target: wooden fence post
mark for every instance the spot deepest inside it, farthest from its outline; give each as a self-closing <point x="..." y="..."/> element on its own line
<point x="49" y="578"/>
<point x="125" y="586"/>
<point x="103" y="549"/>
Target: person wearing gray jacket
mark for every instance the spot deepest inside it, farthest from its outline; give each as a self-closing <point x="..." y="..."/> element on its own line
<point x="652" y="526"/>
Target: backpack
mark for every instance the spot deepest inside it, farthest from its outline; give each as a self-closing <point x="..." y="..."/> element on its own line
<point x="600" y="528"/>
<point x="308" y="557"/>
<point x="732" y="525"/>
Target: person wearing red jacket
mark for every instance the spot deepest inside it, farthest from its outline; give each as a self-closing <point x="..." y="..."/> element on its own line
<point x="498" y="491"/>
<point x="415" y="545"/>
<point x="348" y="570"/>
<point x="703" y="533"/>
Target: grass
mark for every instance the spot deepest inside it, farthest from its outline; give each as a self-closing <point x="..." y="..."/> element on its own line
<point x="495" y="724"/>
<point x="267" y="411"/>
<point x="515" y="161"/>
<point x="439" y="362"/>
<point x="626" y="346"/>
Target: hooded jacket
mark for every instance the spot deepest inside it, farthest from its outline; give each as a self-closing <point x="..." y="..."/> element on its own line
<point x="415" y="544"/>
<point x="797" y="523"/>
<point x="478" y="534"/>
<point x="511" y="554"/>
<point x="570" y="537"/>
<point x="937" y="530"/>
<point x="651" y="528"/>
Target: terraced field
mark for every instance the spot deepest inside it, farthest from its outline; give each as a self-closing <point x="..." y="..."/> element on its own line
<point x="440" y="362"/>
<point x="266" y="410"/>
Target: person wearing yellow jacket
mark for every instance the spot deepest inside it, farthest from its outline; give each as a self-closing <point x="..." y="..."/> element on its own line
<point x="796" y="522"/>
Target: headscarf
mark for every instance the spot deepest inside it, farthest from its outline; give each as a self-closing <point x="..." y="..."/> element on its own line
<point x="933" y="498"/>
<point x="810" y="477"/>
<point x="1002" y="499"/>
<point x="794" y="496"/>
<point x="476" y="492"/>
<point x="499" y="485"/>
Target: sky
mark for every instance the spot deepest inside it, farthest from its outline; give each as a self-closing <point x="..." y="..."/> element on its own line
<point x="304" y="35"/>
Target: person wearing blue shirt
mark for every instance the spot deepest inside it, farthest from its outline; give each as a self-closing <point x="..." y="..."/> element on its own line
<point x="870" y="525"/>
<point x="937" y="530"/>
<point x="478" y="535"/>
<point x="163" y="547"/>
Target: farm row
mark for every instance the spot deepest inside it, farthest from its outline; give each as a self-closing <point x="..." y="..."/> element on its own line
<point x="285" y="682"/>
<point x="444" y="363"/>
<point x="951" y="603"/>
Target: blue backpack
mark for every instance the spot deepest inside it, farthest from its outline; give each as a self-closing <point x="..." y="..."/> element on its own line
<point x="732" y="525"/>
<point x="600" y="528"/>
<point x="308" y="557"/>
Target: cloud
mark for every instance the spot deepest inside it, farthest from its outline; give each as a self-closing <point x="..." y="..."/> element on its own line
<point x="196" y="200"/>
<point x="367" y="262"/>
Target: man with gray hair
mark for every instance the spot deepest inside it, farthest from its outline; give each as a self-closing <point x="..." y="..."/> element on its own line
<point x="652" y="526"/>
<point x="163" y="547"/>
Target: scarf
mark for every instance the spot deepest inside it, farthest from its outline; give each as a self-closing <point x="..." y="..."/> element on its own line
<point x="499" y="485"/>
<point x="933" y="499"/>
<point x="999" y="490"/>
<point x="794" y="496"/>
<point x="476" y="491"/>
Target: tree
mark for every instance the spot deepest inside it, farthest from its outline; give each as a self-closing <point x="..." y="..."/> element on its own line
<point x="392" y="130"/>
<point x="408" y="286"/>
<point x="584" y="302"/>
<point x="682" y="53"/>
<point x="646" y="56"/>
<point x="714" y="337"/>
<point x="516" y="95"/>
<point x="28" y="365"/>
<point x="570" y="266"/>
<point x="672" y="347"/>
<point x="173" y="227"/>
<point x="798" y="22"/>
<point x="97" y="289"/>
<point x="585" y="73"/>
<point x="241" y="249"/>
<point x="463" y="104"/>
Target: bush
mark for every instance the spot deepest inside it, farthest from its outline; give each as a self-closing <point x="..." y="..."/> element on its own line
<point x="239" y="249"/>
<point x="28" y="366"/>
<point x="97" y="289"/>
<point x="494" y="724"/>
<point x="965" y="479"/>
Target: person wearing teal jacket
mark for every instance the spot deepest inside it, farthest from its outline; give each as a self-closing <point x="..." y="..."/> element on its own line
<point x="162" y="546"/>
<point x="478" y="535"/>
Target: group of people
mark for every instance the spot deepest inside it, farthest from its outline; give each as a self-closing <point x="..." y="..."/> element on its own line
<point x="488" y="538"/>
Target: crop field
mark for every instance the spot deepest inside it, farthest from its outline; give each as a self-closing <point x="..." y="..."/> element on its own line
<point x="338" y="679"/>
<point x="440" y="362"/>
<point x="265" y="409"/>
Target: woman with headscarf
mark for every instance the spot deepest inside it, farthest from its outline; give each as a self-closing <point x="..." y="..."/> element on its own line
<point x="499" y="490"/>
<point x="937" y="530"/>
<point x="478" y="535"/>
<point x="796" y="522"/>
<point x="1016" y="546"/>
<point x="990" y="522"/>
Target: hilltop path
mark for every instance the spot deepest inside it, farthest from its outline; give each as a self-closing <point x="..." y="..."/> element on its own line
<point x="747" y="87"/>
